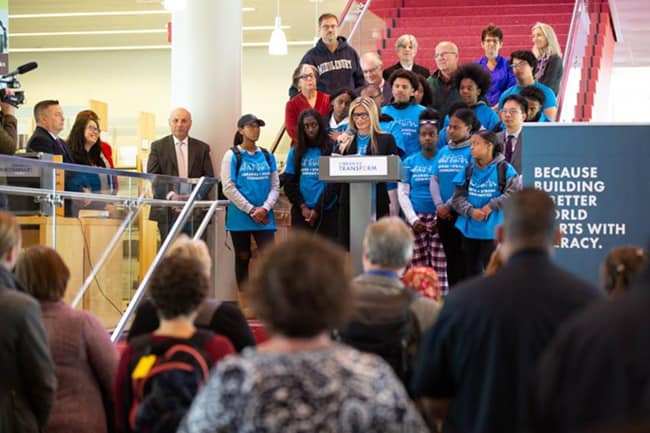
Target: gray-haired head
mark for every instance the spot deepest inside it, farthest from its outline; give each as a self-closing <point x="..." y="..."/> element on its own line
<point x="388" y="243"/>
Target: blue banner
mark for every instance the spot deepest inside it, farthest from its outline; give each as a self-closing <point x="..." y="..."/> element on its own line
<point x="599" y="178"/>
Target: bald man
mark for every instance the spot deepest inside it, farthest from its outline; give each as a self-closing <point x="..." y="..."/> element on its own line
<point x="180" y="155"/>
<point x="444" y="95"/>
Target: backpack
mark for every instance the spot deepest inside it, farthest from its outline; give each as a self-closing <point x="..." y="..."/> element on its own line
<point x="396" y="341"/>
<point x="502" y="166"/>
<point x="165" y="378"/>
<point x="237" y="153"/>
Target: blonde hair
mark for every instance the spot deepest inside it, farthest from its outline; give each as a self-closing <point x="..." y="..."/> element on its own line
<point x="371" y="108"/>
<point x="404" y="40"/>
<point x="552" y="44"/>
<point x="195" y="249"/>
<point x="9" y="232"/>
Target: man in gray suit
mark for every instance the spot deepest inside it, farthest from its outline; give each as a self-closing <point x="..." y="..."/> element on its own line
<point x="28" y="379"/>
<point x="179" y="155"/>
<point x="513" y="116"/>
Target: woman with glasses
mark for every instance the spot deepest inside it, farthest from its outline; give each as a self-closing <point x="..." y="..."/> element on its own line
<point x="547" y="50"/>
<point x="305" y="79"/>
<point x="452" y="159"/>
<point x="364" y="137"/>
<point x="84" y="143"/>
<point x="496" y="65"/>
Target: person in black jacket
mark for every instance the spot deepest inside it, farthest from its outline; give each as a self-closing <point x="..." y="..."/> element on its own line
<point x="313" y="202"/>
<point x="364" y="138"/>
<point x="28" y="379"/>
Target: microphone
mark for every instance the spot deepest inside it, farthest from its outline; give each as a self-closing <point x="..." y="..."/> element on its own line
<point x="22" y="69"/>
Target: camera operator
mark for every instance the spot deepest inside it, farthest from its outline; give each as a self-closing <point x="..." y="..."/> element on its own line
<point x="8" y="126"/>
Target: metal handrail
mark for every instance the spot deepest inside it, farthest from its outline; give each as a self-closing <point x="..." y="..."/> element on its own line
<point x="175" y="230"/>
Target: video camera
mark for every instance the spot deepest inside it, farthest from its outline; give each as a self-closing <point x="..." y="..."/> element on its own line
<point x="10" y="81"/>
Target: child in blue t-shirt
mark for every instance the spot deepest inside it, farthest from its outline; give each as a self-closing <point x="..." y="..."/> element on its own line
<point x="250" y="181"/>
<point x="478" y="199"/>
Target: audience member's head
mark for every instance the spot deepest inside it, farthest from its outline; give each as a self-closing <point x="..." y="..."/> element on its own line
<point x="49" y="116"/>
<point x="407" y="48"/>
<point x="300" y="287"/>
<point x="387" y="244"/>
<point x="328" y="24"/>
<point x="403" y="83"/>
<point x="43" y="273"/>
<point x="425" y="280"/>
<point x="528" y="223"/>
<point x="10" y="240"/>
<point x="472" y="82"/>
<point x="446" y="57"/>
<point x="514" y="112"/>
<point x="423" y="94"/>
<point x="180" y="122"/>
<point x="178" y="286"/>
<point x="491" y="41"/>
<point x="535" y="98"/>
<point x="371" y="65"/>
<point x="545" y="41"/>
<point x="185" y="246"/>
<point x="523" y="64"/>
<point x="621" y="267"/>
<point x="305" y="77"/>
<point x="374" y="92"/>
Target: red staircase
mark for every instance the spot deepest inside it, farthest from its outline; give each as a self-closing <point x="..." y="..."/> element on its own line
<point x="461" y="22"/>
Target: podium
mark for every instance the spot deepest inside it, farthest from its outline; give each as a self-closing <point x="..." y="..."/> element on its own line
<point x="362" y="173"/>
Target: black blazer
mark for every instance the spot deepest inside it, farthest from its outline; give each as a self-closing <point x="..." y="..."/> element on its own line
<point x="418" y="69"/>
<point x="42" y="141"/>
<point x="385" y="146"/>
<point x="516" y="155"/>
<point x="552" y="74"/>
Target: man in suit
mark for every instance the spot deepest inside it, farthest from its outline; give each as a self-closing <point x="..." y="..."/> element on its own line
<point x="513" y="116"/>
<point x="49" y="123"/>
<point x="477" y="359"/>
<point x="179" y="155"/>
<point x="28" y="379"/>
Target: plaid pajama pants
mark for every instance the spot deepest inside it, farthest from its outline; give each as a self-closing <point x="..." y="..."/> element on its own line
<point x="428" y="251"/>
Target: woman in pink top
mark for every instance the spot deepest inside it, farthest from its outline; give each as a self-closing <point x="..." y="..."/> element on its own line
<point x="305" y="79"/>
<point x="85" y="358"/>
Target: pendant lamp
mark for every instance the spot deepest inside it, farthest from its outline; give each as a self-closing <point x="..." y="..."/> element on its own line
<point x="278" y="43"/>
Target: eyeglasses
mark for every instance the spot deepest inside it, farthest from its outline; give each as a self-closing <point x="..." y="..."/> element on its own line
<point x="363" y="116"/>
<point x="510" y="111"/>
<point x="92" y="129"/>
<point x="443" y="54"/>
<point x="368" y="71"/>
<point x="428" y="122"/>
<point x="307" y="77"/>
<point x="518" y="64"/>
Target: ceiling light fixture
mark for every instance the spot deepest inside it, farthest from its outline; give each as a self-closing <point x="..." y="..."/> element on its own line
<point x="278" y="43"/>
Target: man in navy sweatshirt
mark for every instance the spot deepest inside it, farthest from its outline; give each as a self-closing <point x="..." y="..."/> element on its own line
<point x="337" y="62"/>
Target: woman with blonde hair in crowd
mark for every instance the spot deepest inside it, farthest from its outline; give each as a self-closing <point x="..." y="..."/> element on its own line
<point x="547" y="50"/>
<point x="85" y="359"/>
<point x="305" y="79"/>
<point x="364" y="137"/>
<point x="621" y="267"/>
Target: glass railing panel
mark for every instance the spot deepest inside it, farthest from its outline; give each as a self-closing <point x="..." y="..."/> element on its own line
<point x="573" y="61"/>
<point x="363" y="29"/>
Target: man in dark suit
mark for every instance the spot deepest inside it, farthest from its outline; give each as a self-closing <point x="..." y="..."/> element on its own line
<point x="49" y="123"/>
<point x="513" y="116"/>
<point x="28" y="379"/>
<point x="477" y="359"/>
<point x="179" y="155"/>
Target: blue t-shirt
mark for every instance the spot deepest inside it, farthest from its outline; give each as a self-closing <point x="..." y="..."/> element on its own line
<point x="551" y="100"/>
<point x="448" y="163"/>
<point x="311" y="187"/>
<point x="486" y="115"/>
<point x="393" y="128"/>
<point x="483" y="187"/>
<point x="408" y="120"/>
<point x="363" y="141"/>
<point x="418" y="170"/>
<point x="253" y="182"/>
